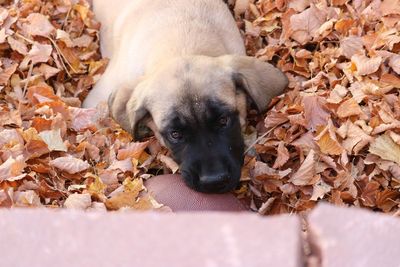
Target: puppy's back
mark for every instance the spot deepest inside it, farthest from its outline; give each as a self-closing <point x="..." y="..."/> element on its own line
<point x="111" y="14"/>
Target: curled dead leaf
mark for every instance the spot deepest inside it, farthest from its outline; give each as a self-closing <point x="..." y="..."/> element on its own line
<point x="349" y="108"/>
<point x="39" y="53"/>
<point x="78" y="201"/>
<point x="315" y="112"/>
<point x="319" y="190"/>
<point x="38" y="24"/>
<point x="132" y="150"/>
<point x="327" y="140"/>
<point x="283" y="156"/>
<point x="82" y="118"/>
<point x="17" y="45"/>
<point x="386" y="148"/>
<point x="12" y="167"/>
<point x="169" y="163"/>
<point x="305" y="25"/>
<point x="306" y="174"/>
<point x="53" y="140"/>
<point x="69" y="164"/>
<point x="365" y="65"/>
<point x="262" y="171"/>
<point x="6" y="74"/>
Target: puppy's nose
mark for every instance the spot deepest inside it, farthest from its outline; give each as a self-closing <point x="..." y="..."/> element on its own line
<point x="214" y="182"/>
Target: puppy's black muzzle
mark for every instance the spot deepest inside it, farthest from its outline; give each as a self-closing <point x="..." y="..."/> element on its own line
<point x="210" y="173"/>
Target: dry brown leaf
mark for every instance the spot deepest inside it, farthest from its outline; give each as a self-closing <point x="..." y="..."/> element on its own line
<point x="12" y="167"/>
<point x="40" y="93"/>
<point x="394" y="62"/>
<point x="328" y="142"/>
<point x="69" y="164"/>
<point x="319" y="190"/>
<point x="10" y="137"/>
<point x="83" y="41"/>
<point x="53" y="140"/>
<point x="306" y="24"/>
<point x="38" y="24"/>
<point x="266" y="206"/>
<point x="27" y="198"/>
<point x="354" y="137"/>
<point x="351" y="45"/>
<point x="283" y="156"/>
<point x="337" y="94"/>
<point x="135" y="185"/>
<point x="82" y="118"/>
<point x="262" y="170"/>
<point x="306" y="174"/>
<point x="386" y="148"/>
<point x="169" y="163"/>
<point x="365" y="65"/>
<point x="315" y="112"/>
<point x="78" y="201"/>
<point x="39" y="53"/>
<point x="386" y="199"/>
<point x="338" y="2"/>
<point x="123" y="165"/>
<point x="368" y="195"/>
<point x="132" y="150"/>
<point x="274" y="118"/>
<point x="64" y="37"/>
<point x="147" y="203"/>
<point x="6" y="74"/>
<point x="5" y="199"/>
<point x="298" y="5"/>
<point x="395" y="137"/>
<point x="97" y="187"/>
<point x="344" y="25"/>
<point x="83" y="10"/>
<point x="17" y="45"/>
<point x="122" y="200"/>
<point x="349" y="108"/>
<point x="47" y="71"/>
<point x="390" y="7"/>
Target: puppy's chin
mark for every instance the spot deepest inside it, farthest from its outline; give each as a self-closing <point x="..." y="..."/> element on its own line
<point x="192" y="181"/>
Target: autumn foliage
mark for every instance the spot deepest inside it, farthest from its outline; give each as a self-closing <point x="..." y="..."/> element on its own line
<point x="333" y="136"/>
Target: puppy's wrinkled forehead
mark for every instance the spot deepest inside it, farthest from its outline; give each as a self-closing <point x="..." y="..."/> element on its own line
<point x="197" y="110"/>
<point x="191" y="90"/>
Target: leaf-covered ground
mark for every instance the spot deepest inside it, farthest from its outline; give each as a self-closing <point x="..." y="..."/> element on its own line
<point x="333" y="136"/>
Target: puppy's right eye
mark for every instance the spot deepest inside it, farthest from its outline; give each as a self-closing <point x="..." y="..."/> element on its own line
<point x="176" y="135"/>
<point x="223" y="121"/>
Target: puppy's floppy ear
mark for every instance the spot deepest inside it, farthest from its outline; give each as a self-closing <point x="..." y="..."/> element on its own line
<point x="259" y="79"/>
<point x="127" y="105"/>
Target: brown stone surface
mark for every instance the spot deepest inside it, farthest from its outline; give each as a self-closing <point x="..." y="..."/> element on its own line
<point x="172" y="191"/>
<point x="354" y="237"/>
<point x="72" y="238"/>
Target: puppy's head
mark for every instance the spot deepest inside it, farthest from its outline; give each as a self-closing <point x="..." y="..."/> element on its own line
<point x="196" y="106"/>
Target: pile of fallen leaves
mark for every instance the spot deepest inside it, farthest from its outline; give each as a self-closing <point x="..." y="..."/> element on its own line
<point x="52" y="152"/>
<point x="334" y="136"/>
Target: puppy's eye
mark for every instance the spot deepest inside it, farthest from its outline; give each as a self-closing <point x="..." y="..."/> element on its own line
<point x="223" y="121"/>
<point x="176" y="135"/>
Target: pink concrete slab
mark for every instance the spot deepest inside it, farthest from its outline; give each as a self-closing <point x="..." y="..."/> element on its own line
<point x="72" y="238"/>
<point x="355" y="237"/>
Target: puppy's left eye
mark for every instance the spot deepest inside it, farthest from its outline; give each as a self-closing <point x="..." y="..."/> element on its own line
<point x="223" y="121"/>
<point x="176" y="135"/>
